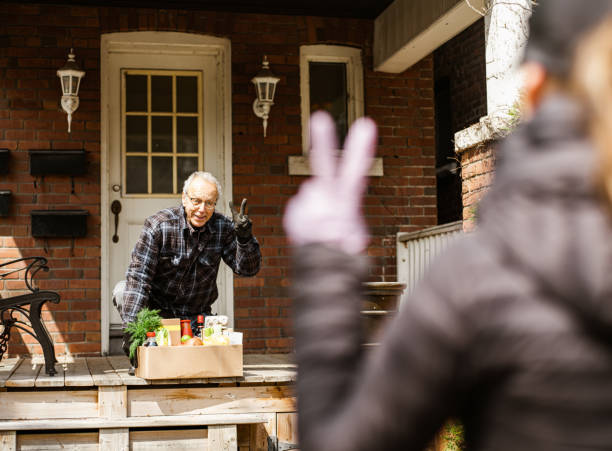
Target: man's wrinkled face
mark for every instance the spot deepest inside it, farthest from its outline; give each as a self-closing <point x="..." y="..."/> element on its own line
<point x="199" y="201"/>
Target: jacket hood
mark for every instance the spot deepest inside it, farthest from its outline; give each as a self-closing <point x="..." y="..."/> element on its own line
<point x="544" y="210"/>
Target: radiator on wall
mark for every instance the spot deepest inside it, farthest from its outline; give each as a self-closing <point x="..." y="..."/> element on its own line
<point x="416" y="250"/>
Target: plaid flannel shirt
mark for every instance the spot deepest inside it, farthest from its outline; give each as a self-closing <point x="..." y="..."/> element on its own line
<point x="174" y="266"/>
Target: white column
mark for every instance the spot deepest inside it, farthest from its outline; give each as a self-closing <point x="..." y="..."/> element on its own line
<point x="506" y="32"/>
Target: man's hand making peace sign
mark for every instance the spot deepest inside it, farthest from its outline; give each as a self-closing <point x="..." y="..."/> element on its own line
<point x="242" y="223"/>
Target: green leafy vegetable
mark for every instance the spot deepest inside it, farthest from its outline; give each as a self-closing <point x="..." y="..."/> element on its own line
<point x="146" y="321"/>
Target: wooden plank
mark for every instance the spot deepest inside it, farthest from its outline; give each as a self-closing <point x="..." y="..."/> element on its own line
<point x="25" y="375"/>
<point x="102" y="372"/>
<point x="263" y="435"/>
<point x="112" y="401"/>
<point x="7" y="367"/>
<point x="287" y="430"/>
<point x="121" y="364"/>
<point x="73" y="441"/>
<point x="114" y="439"/>
<point x="8" y="441"/>
<point x="169" y="440"/>
<point x="77" y="374"/>
<point x="133" y="422"/>
<point x="269" y="375"/>
<point x="44" y="380"/>
<point x="41" y="404"/>
<point x="196" y="400"/>
<point x="222" y="438"/>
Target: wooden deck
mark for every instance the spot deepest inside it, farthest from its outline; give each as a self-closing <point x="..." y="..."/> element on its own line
<point x="93" y="403"/>
<point x="109" y="371"/>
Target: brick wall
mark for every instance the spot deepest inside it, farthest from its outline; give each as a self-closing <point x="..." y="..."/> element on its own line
<point x="462" y="60"/>
<point x="34" y="40"/>
<point x="478" y="169"/>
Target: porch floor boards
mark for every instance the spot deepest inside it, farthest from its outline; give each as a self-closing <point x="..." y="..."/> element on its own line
<point x="20" y="372"/>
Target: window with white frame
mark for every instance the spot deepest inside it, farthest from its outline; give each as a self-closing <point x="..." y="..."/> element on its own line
<point x="331" y="79"/>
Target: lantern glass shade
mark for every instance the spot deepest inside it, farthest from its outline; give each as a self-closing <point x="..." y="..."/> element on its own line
<point x="70" y="84"/>
<point x="262" y="91"/>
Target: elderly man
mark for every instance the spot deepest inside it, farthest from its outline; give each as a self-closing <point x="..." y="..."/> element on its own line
<point x="176" y="259"/>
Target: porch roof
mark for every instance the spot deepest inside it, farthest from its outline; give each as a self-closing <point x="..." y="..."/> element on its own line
<point x="360" y="9"/>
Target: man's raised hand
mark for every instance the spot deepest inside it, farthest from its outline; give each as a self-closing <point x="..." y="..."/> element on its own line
<point x="242" y="223"/>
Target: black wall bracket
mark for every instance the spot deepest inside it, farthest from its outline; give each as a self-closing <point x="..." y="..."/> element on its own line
<point x="5" y="202"/>
<point x="4" y="161"/>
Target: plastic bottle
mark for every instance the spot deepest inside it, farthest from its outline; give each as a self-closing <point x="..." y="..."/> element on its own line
<point x="201" y="327"/>
<point x="150" y="339"/>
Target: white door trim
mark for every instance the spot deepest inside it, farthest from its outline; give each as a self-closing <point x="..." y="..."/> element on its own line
<point x="159" y="42"/>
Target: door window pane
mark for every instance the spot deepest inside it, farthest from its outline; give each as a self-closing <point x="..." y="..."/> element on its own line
<point x="185" y="166"/>
<point x="187" y="134"/>
<point x="186" y="94"/>
<point x="136" y="175"/>
<point x="161" y="133"/>
<point x="157" y="134"/>
<point x="161" y="174"/>
<point x="136" y="133"/>
<point x="161" y="93"/>
<point x="328" y="92"/>
<point x="136" y="93"/>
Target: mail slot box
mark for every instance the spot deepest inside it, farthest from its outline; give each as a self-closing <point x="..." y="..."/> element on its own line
<point x="59" y="223"/>
<point x="58" y="162"/>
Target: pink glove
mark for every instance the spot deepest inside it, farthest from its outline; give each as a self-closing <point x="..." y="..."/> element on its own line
<point x="327" y="207"/>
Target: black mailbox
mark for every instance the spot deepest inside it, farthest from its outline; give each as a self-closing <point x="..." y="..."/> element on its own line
<point x="5" y="202"/>
<point x="59" y="223"/>
<point x="4" y="161"/>
<point x="58" y="162"/>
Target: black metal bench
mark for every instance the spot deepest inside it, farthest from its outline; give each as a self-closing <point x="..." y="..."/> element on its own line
<point x="30" y="306"/>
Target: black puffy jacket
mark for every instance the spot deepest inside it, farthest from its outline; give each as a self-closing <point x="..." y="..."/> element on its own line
<point x="510" y="330"/>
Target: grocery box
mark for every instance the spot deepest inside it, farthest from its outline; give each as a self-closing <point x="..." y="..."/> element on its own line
<point x="185" y="362"/>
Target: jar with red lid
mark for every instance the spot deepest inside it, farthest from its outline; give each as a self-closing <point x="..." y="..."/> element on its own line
<point x="186" y="328"/>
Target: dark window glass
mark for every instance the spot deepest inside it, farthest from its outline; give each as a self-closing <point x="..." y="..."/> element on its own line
<point x="187" y="134"/>
<point x="161" y="174"/>
<point x="328" y="92"/>
<point x="136" y="133"/>
<point x="136" y="93"/>
<point x="187" y="94"/>
<point x="136" y="175"/>
<point x="185" y="166"/>
<point x="161" y="134"/>
<point x="161" y="93"/>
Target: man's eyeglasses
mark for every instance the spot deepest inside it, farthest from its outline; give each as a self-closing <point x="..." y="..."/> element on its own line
<point x="208" y="204"/>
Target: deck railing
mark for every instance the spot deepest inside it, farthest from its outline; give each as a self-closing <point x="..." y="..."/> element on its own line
<point x="416" y="250"/>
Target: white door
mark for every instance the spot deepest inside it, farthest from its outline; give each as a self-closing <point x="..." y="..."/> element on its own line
<point x="166" y="116"/>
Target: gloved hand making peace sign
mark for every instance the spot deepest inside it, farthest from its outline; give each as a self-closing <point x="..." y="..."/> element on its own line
<point x="242" y="223"/>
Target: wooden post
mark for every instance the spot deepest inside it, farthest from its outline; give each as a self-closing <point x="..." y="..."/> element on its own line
<point x="263" y="435"/>
<point x="112" y="403"/>
<point x="222" y="438"/>
<point x="8" y="440"/>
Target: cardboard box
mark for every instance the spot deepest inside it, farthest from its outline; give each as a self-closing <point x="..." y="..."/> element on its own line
<point x="185" y="362"/>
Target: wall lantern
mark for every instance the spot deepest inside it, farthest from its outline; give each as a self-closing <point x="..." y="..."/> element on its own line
<point x="265" y="85"/>
<point x="70" y="76"/>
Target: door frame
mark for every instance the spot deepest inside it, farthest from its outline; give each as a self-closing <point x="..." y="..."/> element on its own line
<point x="160" y="43"/>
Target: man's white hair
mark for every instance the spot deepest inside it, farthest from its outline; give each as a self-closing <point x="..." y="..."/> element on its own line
<point x="205" y="176"/>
